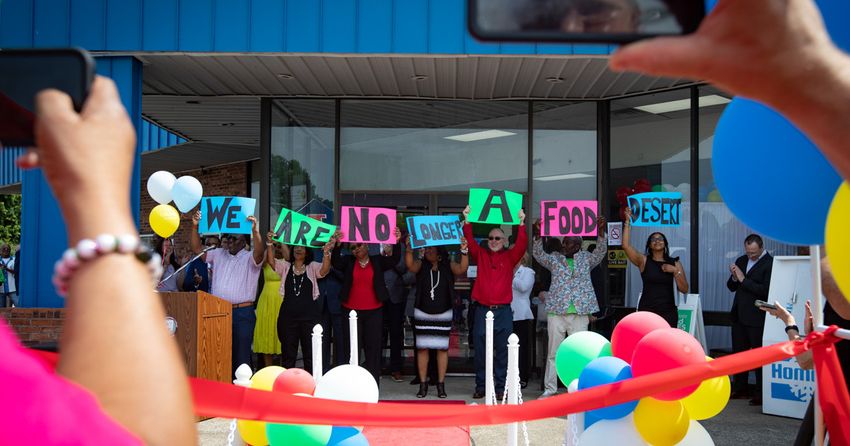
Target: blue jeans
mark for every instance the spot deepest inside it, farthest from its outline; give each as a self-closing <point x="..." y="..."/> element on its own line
<point x="244" y="320"/>
<point x="503" y="325"/>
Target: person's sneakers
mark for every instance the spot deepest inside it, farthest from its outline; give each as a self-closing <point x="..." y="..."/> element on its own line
<point x="547" y="394"/>
<point x="396" y="376"/>
<point x="478" y="394"/>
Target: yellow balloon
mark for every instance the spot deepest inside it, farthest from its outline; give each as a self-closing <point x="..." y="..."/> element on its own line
<point x="838" y="239"/>
<point x="661" y="423"/>
<point x="709" y="399"/>
<point x="164" y="220"/>
<point x="254" y="432"/>
<point x="264" y="378"/>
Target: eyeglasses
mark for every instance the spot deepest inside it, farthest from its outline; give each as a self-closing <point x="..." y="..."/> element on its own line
<point x="656" y="239"/>
<point x="495" y="238"/>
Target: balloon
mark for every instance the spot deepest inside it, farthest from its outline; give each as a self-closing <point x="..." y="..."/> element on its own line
<point x="631" y="329"/>
<point x="838" y="239"/>
<point x="661" y="423"/>
<point x="254" y="432"/>
<point x="187" y="193"/>
<point x="658" y="188"/>
<point x="607" y="370"/>
<point x="348" y="383"/>
<point x="714" y="196"/>
<point x="620" y="432"/>
<point x="265" y="377"/>
<point x="164" y="220"/>
<point x="347" y="436"/>
<point x="750" y="134"/>
<point x="666" y="349"/>
<point x="668" y="187"/>
<point x="709" y="399"/>
<point x="622" y="193"/>
<point x="697" y="436"/>
<point x="576" y="351"/>
<point x="294" y="381"/>
<point x="300" y="434"/>
<point x="159" y="187"/>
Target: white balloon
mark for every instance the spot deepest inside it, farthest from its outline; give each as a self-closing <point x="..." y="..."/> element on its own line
<point x="621" y="432"/>
<point x="187" y="192"/>
<point x="668" y="187"/>
<point x="159" y="186"/>
<point x="685" y="190"/>
<point x="697" y="436"/>
<point x="573" y="387"/>
<point x="348" y="383"/>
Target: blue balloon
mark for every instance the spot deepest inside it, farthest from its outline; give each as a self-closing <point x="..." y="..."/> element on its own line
<point x="590" y="420"/>
<point x="601" y="371"/>
<point x="347" y="436"/>
<point x="770" y="175"/>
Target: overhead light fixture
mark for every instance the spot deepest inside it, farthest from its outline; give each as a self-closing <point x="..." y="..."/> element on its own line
<point x="554" y="79"/>
<point x="568" y="176"/>
<point x="419" y="77"/>
<point x="285" y="76"/>
<point x="478" y="136"/>
<point x="227" y="124"/>
<point x="682" y="104"/>
<point x="193" y="102"/>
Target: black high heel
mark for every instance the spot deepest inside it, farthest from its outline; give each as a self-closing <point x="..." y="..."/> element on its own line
<point x="423" y="390"/>
<point x="441" y="390"/>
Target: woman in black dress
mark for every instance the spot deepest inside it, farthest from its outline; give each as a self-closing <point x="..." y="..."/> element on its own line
<point x="432" y="312"/>
<point x="659" y="271"/>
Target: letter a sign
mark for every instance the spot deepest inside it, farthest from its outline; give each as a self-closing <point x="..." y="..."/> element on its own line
<point x="494" y="206"/>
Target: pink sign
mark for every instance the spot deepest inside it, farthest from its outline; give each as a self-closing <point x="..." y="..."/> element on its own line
<point x="560" y="218"/>
<point x="367" y="225"/>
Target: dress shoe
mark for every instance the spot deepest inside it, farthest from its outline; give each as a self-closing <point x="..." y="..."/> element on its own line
<point x="441" y="390"/>
<point x="423" y="390"/>
<point x="397" y="377"/>
<point x="478" y="395"/>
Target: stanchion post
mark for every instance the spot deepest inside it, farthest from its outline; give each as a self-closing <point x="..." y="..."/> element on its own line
<point x="512" y="384"/>
<point x="352" y="337"/>
<point x="317" y="352"/>
<point x="817" y="316"/>
<point x="243" y="378"/>
<point x="489" y="385"/>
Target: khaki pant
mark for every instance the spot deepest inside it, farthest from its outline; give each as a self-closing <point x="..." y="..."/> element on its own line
<point x="559" y="326"/>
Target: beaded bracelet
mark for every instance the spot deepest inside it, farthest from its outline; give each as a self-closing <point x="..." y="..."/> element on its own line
<point x="88" y="249"/>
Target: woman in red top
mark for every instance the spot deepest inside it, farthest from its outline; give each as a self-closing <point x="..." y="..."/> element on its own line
<point x="364" y="291"/>
<point x="493" y="290"/>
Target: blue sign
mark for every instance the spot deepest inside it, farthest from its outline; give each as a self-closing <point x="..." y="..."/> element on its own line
<point x="790" y="382"/>
<point x="434" y="230"/>
<point x="656" y="209"/>
<point x="228" y="215"/>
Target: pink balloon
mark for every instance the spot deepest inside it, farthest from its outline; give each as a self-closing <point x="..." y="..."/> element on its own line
<point x="631" y="329"/>
<point x="294" y="381"/>
<point x="667" y="349"/>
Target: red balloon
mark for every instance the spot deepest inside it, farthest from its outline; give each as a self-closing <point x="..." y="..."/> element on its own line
<point x="294" y="381"/>
<point x="631" y="329"/>
<point x="623" y="217"/>
<point x="622" y="193"/>
<point x="666" y="349"/>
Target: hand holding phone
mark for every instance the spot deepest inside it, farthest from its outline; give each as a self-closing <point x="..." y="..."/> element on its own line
<point x="763" y="304"/>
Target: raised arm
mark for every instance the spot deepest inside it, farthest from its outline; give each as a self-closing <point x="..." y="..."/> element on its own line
<point x="337" y="261"/>
<point x="413" y="264"/>
<point x="474" y="249"/>
<point x="633" y="254"/>
<point x="518" y="249"/>
<point x="598" y="254"/>
<point x="459" y="268"/>
<point x="549" y="261"/>
<point x="326" y="259"/>
<point x="269" y="250"/>
<point x="259" y="250"/>
<point x="194" y="237"/>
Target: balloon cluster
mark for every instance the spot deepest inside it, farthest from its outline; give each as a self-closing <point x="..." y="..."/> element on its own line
<point x="641" y="344"/>
<point x="164" y="187"/>
<point x="343" y="383"/>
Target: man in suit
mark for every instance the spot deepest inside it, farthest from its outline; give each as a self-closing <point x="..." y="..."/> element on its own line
<point x="750" y="281"/>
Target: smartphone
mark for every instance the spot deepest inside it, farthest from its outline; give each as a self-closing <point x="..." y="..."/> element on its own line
<point x="763" y="304"/>
<point x="582" y="21"/>
<point x="24" y="73"/>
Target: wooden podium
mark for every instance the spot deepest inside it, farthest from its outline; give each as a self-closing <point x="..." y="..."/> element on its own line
<point x="203" y="333"/>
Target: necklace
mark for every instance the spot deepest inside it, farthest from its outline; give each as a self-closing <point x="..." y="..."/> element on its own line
<point x="299" y="270"/>
<point x="297" y="284"/>
<point x="363" y="263"/>
<point x="434" y="285"/>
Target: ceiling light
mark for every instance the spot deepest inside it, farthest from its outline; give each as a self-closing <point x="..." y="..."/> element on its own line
<point x="554" y="79"/>
<point x="682" y="104"/>
<point x="227" y="124"/>
<point x="419" y="77"/>
<point x="193" y="102"/>
<point x="568" y="176"/>
<point x="285" y="76"/>
<point x="478" y="136"/>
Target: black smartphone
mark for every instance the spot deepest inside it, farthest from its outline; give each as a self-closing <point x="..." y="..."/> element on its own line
<point x="763" y="304"/>
<point x="24" y="73"/>
<point x="582" y="21"/>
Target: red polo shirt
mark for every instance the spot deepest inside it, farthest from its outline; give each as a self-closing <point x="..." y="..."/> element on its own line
<point x="495" y="269"/>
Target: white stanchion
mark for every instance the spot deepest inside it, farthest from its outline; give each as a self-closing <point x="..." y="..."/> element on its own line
<point x="817" y="316"/>
<point x="243" y="378"/>
<point x="317" y="351"/>
<point x="512" y="384"/>
<point x="575" y="421"/>
<point x="489" y="385"/>
<point x="352" y="337"/>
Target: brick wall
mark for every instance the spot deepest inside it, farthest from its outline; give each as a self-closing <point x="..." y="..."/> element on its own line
<point x="35" y="325"/>
<point x="228" y="180"/>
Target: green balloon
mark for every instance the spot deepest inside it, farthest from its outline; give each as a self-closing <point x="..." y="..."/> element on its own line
<point x="658" y="188"/>
<point x="300" y="434"/>
<point x="576" y="351"/>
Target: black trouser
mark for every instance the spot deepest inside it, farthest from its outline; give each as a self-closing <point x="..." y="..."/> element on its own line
<point x="331" y="335"/>
<point x="523" y="331"/>
<point x="745" y="338"/>
<point x="292" y="333"/>
<point x="394" y="318"/>
<point x="369" y="323"/>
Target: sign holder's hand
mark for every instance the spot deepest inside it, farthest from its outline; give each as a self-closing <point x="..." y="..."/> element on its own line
<point x="521" y="216"/>
<point x="601" y="223"/>
<point x="196" y="218"/>
<point x="466" y="214"/>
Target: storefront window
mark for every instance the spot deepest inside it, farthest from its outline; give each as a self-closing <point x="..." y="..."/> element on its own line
<point x="433" y="145"/>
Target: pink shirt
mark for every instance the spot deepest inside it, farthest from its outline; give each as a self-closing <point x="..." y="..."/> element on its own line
<point x="38" y="406"/>
<point x="281" y="267"/>
<point x="234" y="277"/>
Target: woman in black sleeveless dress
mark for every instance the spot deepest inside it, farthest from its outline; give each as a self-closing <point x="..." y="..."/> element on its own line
<point x="659" y="271"/>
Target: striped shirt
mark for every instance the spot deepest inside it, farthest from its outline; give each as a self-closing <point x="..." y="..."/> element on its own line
<point x="234" y="277"/>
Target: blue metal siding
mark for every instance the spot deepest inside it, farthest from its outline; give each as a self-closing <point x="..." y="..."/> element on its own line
<point x="154" y="137"/>
<point x="9" y="172"/>
<point x="338" y="26"/>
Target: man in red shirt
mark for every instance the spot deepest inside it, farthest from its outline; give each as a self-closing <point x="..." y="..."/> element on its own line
<point x="492" y="291"/>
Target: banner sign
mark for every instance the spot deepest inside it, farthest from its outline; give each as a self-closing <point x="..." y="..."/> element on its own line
<point x="561" y="218"/>
<point x="293" y="228"/>
<point x="656" y="208"/>
<point x="494" y="206"/>
<point x="227" y="215"/>
<point x="434" y="230"/>
<point x="368" y="225"/>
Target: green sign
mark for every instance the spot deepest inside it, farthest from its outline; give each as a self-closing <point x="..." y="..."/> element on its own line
<point x="684" y="322"/>
<point x="494" y="206"/>
<point x="293" y="228"/>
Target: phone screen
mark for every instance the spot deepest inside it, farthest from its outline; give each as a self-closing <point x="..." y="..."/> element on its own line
<point x="23" y="73"/>
<point x="613" y="21"/>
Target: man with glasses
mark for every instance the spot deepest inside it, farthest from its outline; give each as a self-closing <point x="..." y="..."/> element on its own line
<point x="493" y="291"/>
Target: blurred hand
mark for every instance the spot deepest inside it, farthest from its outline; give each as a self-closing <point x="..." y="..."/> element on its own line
<point x="780" y="313"/>
<point x="809" y="323"/>
<point x="521" y="216"/>
<point x="601" y="223"/>
<point x="466" y="214"/>
<point x="667" y="268"/>
<point x="196" y="218"/>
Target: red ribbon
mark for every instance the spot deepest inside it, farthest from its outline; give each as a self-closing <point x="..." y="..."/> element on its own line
<point x="832" y="387"/>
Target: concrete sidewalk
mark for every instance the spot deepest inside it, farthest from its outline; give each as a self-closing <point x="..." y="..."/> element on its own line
<point x="738" y="424"/>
